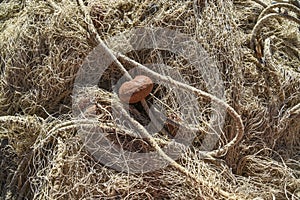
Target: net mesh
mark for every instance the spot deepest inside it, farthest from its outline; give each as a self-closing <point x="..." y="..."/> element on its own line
<point x="253" y="45"/>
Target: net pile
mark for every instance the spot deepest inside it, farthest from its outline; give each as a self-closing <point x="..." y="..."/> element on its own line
<point x="253" y="44"/>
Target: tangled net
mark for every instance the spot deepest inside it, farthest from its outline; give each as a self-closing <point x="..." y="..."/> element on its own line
<point x="255" y="47"/>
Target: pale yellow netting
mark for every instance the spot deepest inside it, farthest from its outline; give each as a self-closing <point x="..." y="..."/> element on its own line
<point x="255" y="47"/>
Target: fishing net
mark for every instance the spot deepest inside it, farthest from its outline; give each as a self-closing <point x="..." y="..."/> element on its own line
<point x="221" y="122"/>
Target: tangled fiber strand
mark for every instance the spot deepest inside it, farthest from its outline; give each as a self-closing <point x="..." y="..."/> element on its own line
<point x="261" y="22"/>
<point x="264" y="130"/>
<point x="278" y="176"/>
<point x="270" y="8"/>
<point x="278" y="65"/>
<point x="20" y="133"/>
<point x="230" y="110"/>
<point x="41" y="51"/>
<point x="239" y="124"/>
<point x="223" y="29"/>
<point x="43" y="44"/>
<point x="145" y="133"/>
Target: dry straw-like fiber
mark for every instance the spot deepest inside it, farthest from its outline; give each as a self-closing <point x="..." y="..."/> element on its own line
<point x="255" y="46"/>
